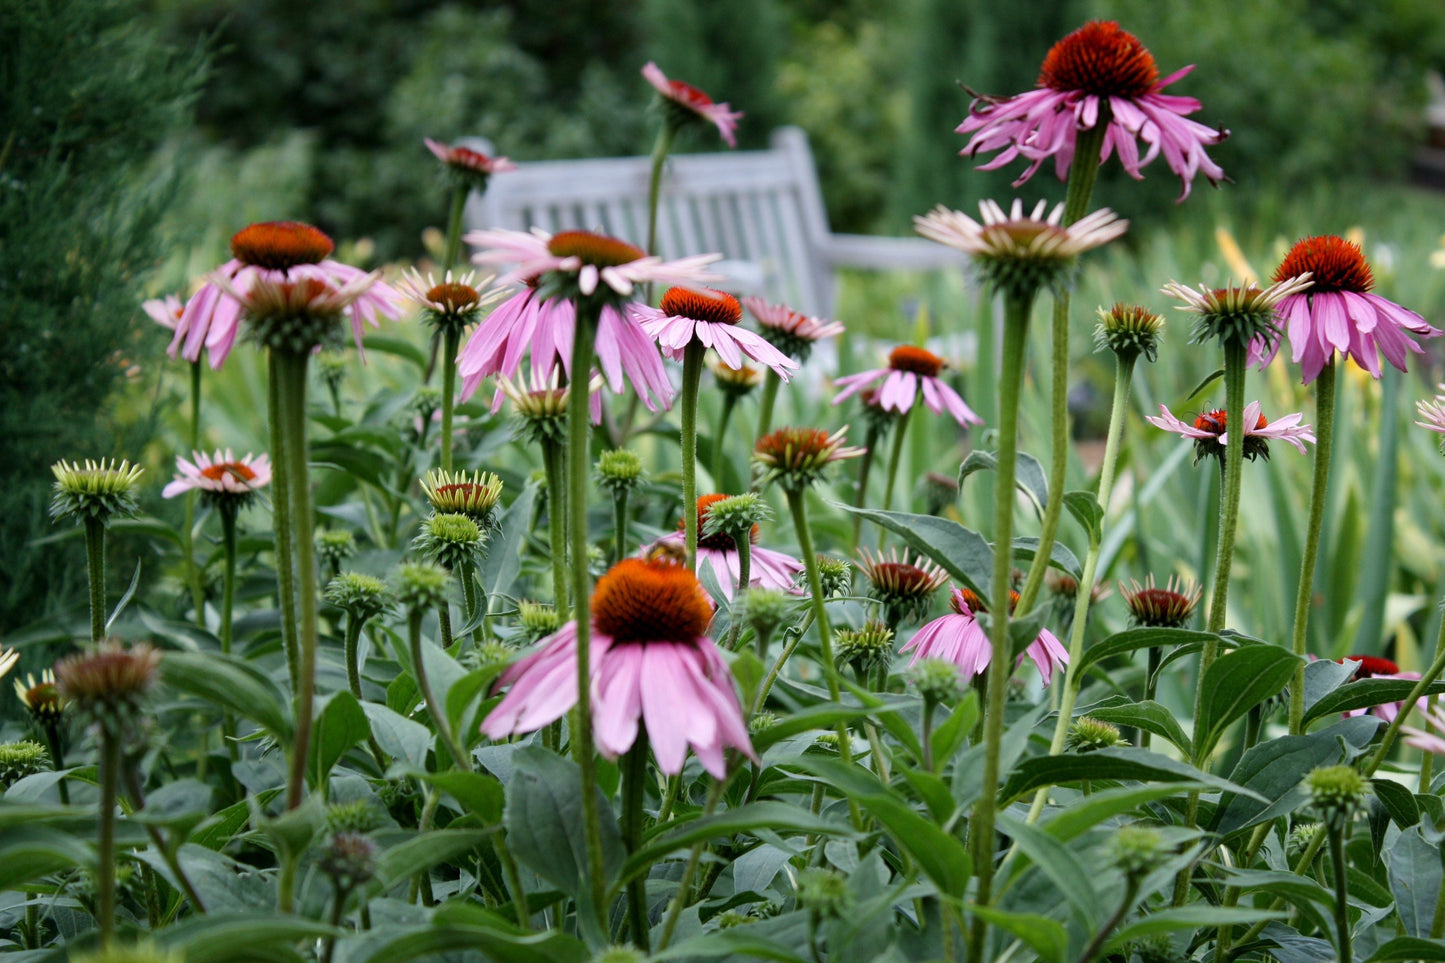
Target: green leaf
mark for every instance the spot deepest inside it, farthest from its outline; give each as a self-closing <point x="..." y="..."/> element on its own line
<point x="427" y="850"/>
<point x="1273" y="770"/>
<point x="1130" y="640"/>
<point x="1088" y="811"/>
<point x="1414" y="874"/>
<point x="1398" y="801"/>
<point x="339" y="725"/>
<point x="1314" y="900"/>
<point x="1121" y="763"/>
<point x="948" y="737"/>
<point x="124" y="599"/>
<point x="1044" y="936"/>
<point x="1149" y="716"/>
<point x="395" y="347"/>
<point x="1029" y="475"/>
<point x="1237" y="682"/>
<point x="230" y="683"/>
<point x="238" y="938"/>
<point x="964" y="554"/>
<point x="504" y="556"/>
<point x="1084" y="506"/>
<point x="544" y="821"/>
<point x="1367" y="693"/>
<point x="825" y="715"/>
<point x="1408" y="948"/>
<point x="398" y="736"/>
<point x="1323" y="677"/>
<point x="28" y="853"/>
<point x="1061" y="867"/>
<point x="1061" y="557"/>
<point x="1190" y="917"/>
<point x="777" y="817"/>
<point x="477" y="792"/>
<point x="217" y="831"/>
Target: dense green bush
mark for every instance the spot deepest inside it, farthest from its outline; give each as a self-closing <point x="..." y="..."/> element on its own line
<point x="89" y="94"/>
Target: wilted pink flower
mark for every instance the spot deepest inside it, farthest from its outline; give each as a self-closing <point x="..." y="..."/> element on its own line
<point x="273" y="251"/>
<point x="688" y="101"/>
<point x="1338" y="312"/>
<point x="709" y="318"/>
<point x="220" y="474"/>
<point x="1210" y="436"/>
<point x="1097" y="73"/>
<point x="651" y="662"/>
<point x="911" y="371"/>
<point x="167" y="313"/>
<point x="766" y="568"/>
<point x="958" y="638"/>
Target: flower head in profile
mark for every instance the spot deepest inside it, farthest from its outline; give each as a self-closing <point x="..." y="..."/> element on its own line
<point x="1338" y="313"/>
<point x="709" y="318"/>
<point x="108" y="684"/>
<point x="797" y="457"/>
<point x="685" y="105"/>
<point x="718" y="548"/>
<point x="1168" y="607"/>
<point x="1432" y="413"/>
<point x="1099" y="74"/>
<point x="1018" y="253"/>
<point x="41" y="699"/>
<point x="453" y="303"/>
<point x="911" y="372"/>
<point x="1210" y="434"/>
<point x="474" y="494"/>
<point x="1129" y="330"/>
<point x="165" y="312"/>
<point x="99" y="490"/>
<point x="734" y="382"/>
<point x="467" y="167"/>
<point x="904" y="586"/>
<point x="652" y="664"/>
<point x="221" y="478"/>
<point x="276" y="252"/>
<point x="959" y="638"/>
<point x="1236" y="313"/>
<point x="540" y="404"/>
<point x="791" y="332"/>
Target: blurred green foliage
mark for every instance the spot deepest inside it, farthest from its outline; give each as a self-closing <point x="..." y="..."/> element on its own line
<point x="90" y="93"/>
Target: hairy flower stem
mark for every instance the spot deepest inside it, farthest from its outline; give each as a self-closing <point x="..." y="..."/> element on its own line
<point x="691" y="378"/>
<point x="291" y="366"/>
<point x="1015" y="340"/>
<point x="582" y="742"/>
<point x="438" y="714"/>
<point x="281" y="518"/>
<point x="110" y="763"/>
<point x="454" y="227"/>
<point x="554" y="461"/>
<point x="1076" y="203"/>
<point x="798" y="507"/>
<point x="899" y="434"/>
<point x="783" y="656"/>
<point x="451" y="339"/>
<point x="684" y="885"/>
<point x="719" y="445"/>
<point x="1131" y="894"/>
<point x="634" y="786"/>
<point x="1235" y="356"/>
<point x="1335" y="829"/>
<point x="95" y="570"/>
<point x="188" y="534"/>
<point x="1123" y="375"/>
<point x="745" y="575"/>
<point x="1324" y="441"/>
<point x="865" y="465"/>
<point x="660" y="149"/>
<point x="768" y="399"/>
<point x="228" y="600"/>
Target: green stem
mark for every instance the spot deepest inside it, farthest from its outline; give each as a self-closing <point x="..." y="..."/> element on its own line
<point x="1324" y="440"/>
<point x="929" y="706"/>
<point x="772" y="676"/>
<point x="674" y="910"/>
<point x="730" y="401"/>
<point x="188" y="535"/>
<point x="454" y="227"/>
<point x="95" y="570"/>
<point x="660" y="149"/>
<point x="554" y="462"/>
<point x="281" y="517"/>
<point x="896" y="457"/>
<point x="110" y="761"/>
<point x="766" y="402"/>
<point x="451" y="339"/>
<point x="981" y="829"/>
<point x="439" y="718"/>
<point x="1131" y="893"/>
<point x="1234" y="360"/>
<point x="619" y="525"/>
<point x="691" y="378"/>
<point x="634" y="784"/>
<point x="514" y="880"/>
<point x="228" y="600"/>
<point x="582" y="742"/>
<point x="865" y="465"/>
<point x="352" y="650"/>
<point x="1076" y="202"/>
<point x="338" y="907"/>
<point x="1437" y="919"/>
<point x="292" y="367"/>
<point x="1334" y="827"/>
<point x="745" y="575"/>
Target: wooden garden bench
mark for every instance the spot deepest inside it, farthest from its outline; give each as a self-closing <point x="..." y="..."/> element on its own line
<point x="762" y="210"/>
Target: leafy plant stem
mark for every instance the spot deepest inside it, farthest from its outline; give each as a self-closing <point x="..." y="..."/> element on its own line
<point x="473" y="602"/>
<point x="1335" y="829"/>
<point x="691" y="378"/>
<point x="660" y="149"/>
<point x="634" y="783"/>
<point x="896" y="456"/>
<point x="292" y="367"/>
<point x="582" y="741"/>
<point x="451" y="340"/>
<point x="423" y="684"/>
<point x="1234" y="361"/>
<point x="745" y="574"/>
<point x="281" y="516"/>
<point x="554" y="461"/>
<point x="766" y="402"/>
<point x="684" y="885"/>
<point x="1015" y="340"/>
<point x="338" y="906"/>
<point x="454" y="226"/>
<point x="619" y="525"/>
<point x="1324" y="439"/>
<point x="1131" y="893"/>
<point x="782" y="659"/>
<point x="95" y="572"/>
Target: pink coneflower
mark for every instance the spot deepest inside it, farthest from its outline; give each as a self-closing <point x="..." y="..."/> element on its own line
<point x="1210" y="436"/>
<point x="1168" y="607"/>
<point x="1338" y="312"/>
<point x="766" y="568"/>
<point x="167" y="313"/>
<point x="686" y="104"/>
<point x="455" y="301"/>
<point x="1433" y="412"/>
<point x="711" y="319"/>
<point x="221" y="475"/>
<point x="797" y="457"/>
<point x="1377" y="667"/>
<point x="791" y="332"/>
<point x="904" y="586"/>
<point x="1423" y="739"/>
<point x="471" y="165"/>
<point x="958" y="638"/>
<point x="275" y="251"/>
<point x="651" y="662"/>
<point x="1098" y="72"/>
<point x="911" y="371"/>
<point x="596" y="260"/>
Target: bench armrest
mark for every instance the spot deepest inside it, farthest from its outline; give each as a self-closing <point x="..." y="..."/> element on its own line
<point x="888" y="253"/>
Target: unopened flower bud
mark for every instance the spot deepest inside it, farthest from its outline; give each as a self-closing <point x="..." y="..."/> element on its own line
<point x="335" y="545"/>
<point x="1129" y="331"/>
<point x="109" y="684"/>
<point x="349" y="858"/>
<point x="937" y="680"/>
<point x="358" y="816"/>
<point x="866" y="649"/>
<point x="620" y="470"/>
<point x="420" y="585"/>
<point x="836" y="574"/>
<point x="825" y="892"/>
<point x="1136" y="849"/>
<point x="473" y="494"/>
<point x="21" y="759"/>
<point x="360" y="596"/>
<point x="538" y="619"/>
<point x="1335" y="790"/>
<point x="94" y="490"/>
<point x="452" y="540"/>
<point x="1087" y="734"/>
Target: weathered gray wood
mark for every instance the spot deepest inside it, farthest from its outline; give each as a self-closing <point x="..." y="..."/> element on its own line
<point x="762" y="210"/>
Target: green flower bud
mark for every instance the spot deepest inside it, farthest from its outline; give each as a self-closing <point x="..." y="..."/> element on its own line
<point x="620" y="470"/>
<point x="537" y="619"/>
<point x="865" y="650"/>
<point x="21" y="759"/>
<point x="335" y="545"/>
<point x="937" y="680"/>
<point x="825" y="892"/>
<point x="420" y="585"/>
<point x="452" y="540"/>
<point x="1129" y="331"/>
<point x="357" y="816"/>
<point x="99" y="490"/>
<point x="836" y="574"/>
<point x="1335" y="790"/>
<point x="1087" y="734"/>
<point x="360" y="596"/>
<point x="1136" y="849"/>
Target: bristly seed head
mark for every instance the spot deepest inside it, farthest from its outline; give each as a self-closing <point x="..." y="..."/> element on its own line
<point x="1169" y="607"/>
<point x="598" y="250"/>
<point x="708" y="305"/>
<point x="1100" y="59"/>
<point x="1332" y="262"/>
<point x="280" y="245"/>
<point x="906" y="357"/>
<point x="650" y="600"/>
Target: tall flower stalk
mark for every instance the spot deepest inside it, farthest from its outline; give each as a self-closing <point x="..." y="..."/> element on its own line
<point x="94" y="493"/>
